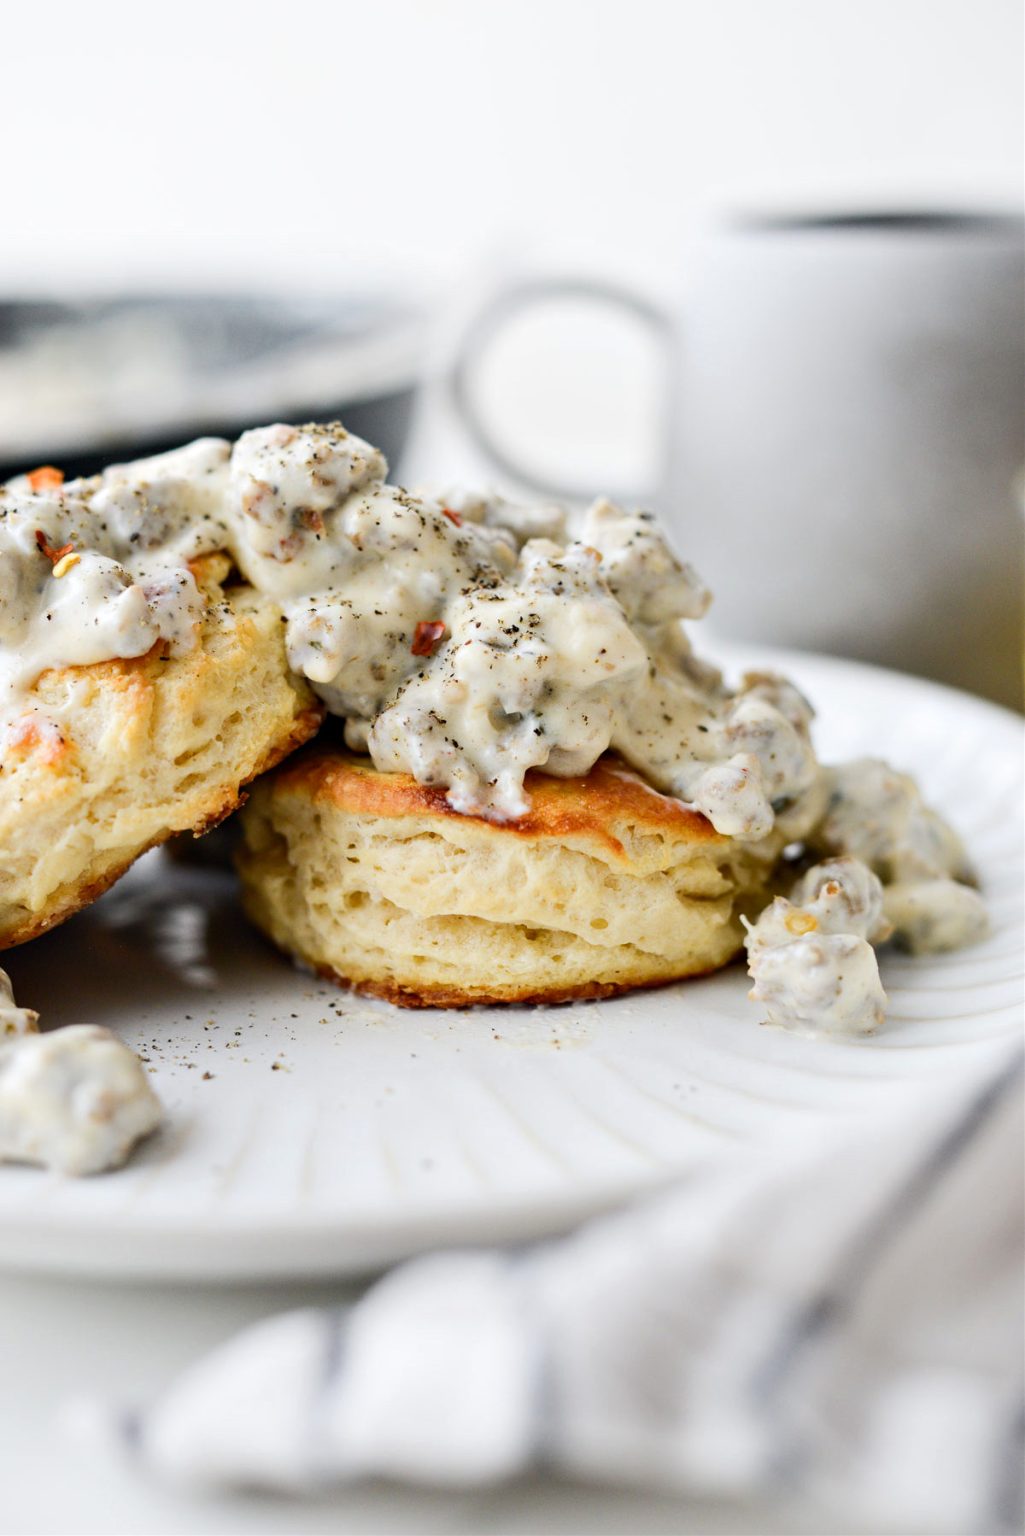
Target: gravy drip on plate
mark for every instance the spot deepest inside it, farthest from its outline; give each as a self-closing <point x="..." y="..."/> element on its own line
<point x="13" y="1020"/>
<point x="811" y="957"/>
<point x="879" y="815"/>
<point x="76" y="1100"/>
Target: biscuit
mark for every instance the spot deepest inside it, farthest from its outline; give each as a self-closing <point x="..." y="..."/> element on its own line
<point x="108" y="760"/>
<point x="605" y="885"/>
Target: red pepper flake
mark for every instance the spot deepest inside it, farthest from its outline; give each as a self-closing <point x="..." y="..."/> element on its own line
<point x="45" y="478"/>
<point x="453" y="517"/>
<point x="47" y="549"/>
<point x="428" y="636"/>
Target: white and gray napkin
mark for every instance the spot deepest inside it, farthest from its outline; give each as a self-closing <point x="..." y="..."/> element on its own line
<point x="845" y="1325"/>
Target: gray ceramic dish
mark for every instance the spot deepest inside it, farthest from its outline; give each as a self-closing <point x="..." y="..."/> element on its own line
<point x="94" y="381"/>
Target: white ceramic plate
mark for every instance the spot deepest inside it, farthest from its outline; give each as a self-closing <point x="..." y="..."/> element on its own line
<point x="312" y="1132"/>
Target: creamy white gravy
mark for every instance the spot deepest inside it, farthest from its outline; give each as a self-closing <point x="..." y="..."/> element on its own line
<point x="464" y="644"/>
<point x="465" y="640"/>
<point x="811" y="958"/>
<point x="879" y="815"/>
<point x="13" y="1020"/>
<point x="76" y="1100"/>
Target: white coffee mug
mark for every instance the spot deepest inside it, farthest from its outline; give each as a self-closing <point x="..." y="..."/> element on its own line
<point x="844" y="435"/>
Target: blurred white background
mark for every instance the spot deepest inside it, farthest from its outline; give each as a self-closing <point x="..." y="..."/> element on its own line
<point x="296" y="143"/>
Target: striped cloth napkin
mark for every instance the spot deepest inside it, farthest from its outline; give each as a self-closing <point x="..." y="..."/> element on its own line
<point x="843" y="1323"/>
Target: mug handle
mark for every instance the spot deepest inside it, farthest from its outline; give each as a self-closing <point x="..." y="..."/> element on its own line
<point x="487" y="323"/>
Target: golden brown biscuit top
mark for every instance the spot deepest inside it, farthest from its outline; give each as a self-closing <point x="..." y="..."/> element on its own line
<point x="590" y="805"/>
